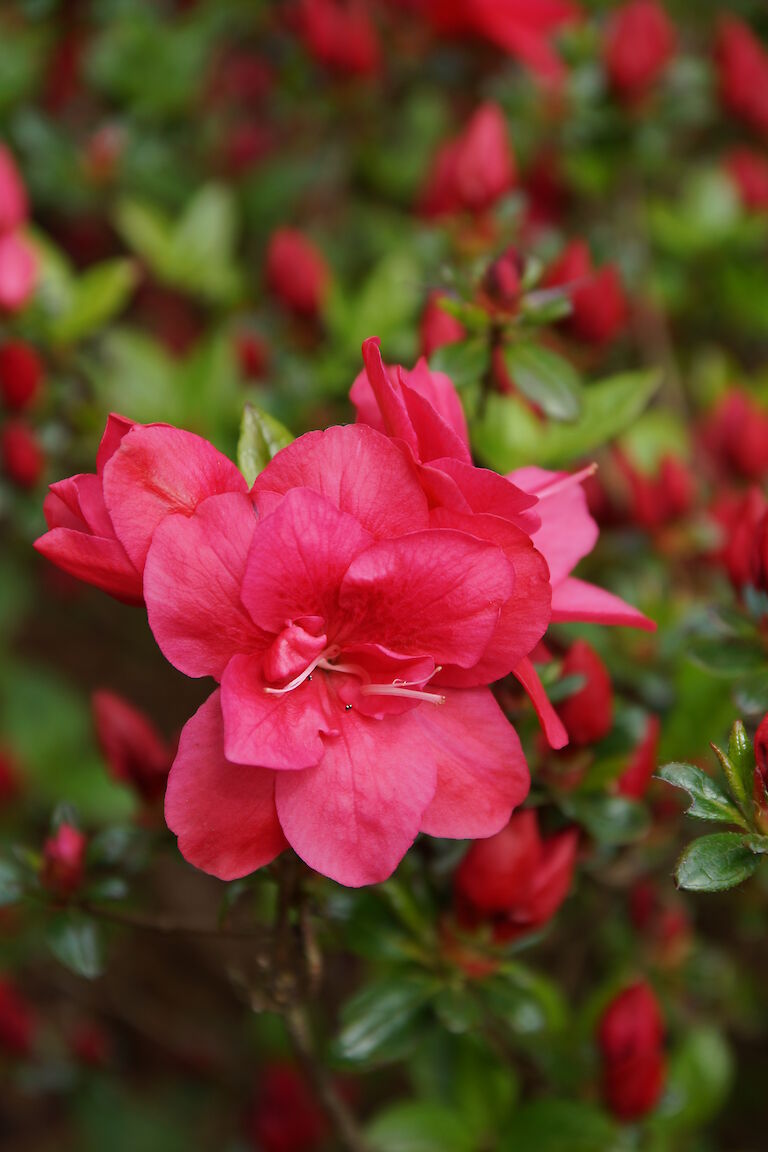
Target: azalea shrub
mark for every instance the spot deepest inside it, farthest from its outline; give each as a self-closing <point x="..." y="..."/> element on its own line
<point x="384" y="575"/>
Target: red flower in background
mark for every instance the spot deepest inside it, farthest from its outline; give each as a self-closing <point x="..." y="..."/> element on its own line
<point x="340" y="35"/>
<point x="631" y="1041"/>
<point x="523" y="28"/>
<point x="742" y="69"/>
<point x="18" y="267"/>
<point x="736" y="435"/>
<point x="9" y="777"/>
<point x="136" y="753"/>
<point x="636" y="777"/>
<point x="21" y="455"/>
<point x="21" y="373"/>
<point x="285" y="1116"/>
<point x="516" y="879"/>
<point x="657" y="499"/>
<point x="471" y="172"/>
<point x="17" y="1021"/>
<point x="13" y="196"/>
<point x="296" y="272"/>
<point x="739" y="516"/>
<point x="599" y="305"/>
<point x="749" y="171"/>
<point x="438" y="327"/>
<point x="63" y="865"/>
<point x="587" y="713"/>
<point x="761" y="750"/>
<point x="639" y="43"/>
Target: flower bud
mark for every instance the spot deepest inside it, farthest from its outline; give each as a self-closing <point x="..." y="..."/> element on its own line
<point x="296" y="272"/>
<point x="252" y="355"/>
<point x="285" y="1116"/>
<point x="749" y="172"/>
<point x="21" y="373"/>
<point x="340" y="35"/>
<point x="135" y="752"/>
<point x="501" y="283"/>
<point x="588" y="713"/>
<point x="639" y="44"/>
<point x="742" y="72"/>
<point x="630" y="1038"/>
<point x="438" y="327"/>
<point x="9" y="778"/>
<point x="761" y="750"/>
<point x="471" y="172"/>
<point x="13" y="196"/>
<point x="739" y="517"/>
<point x="63" y="861"/>
<point x="17" y="1021"/>
<point x="599" y="306"/>
<point x="636" y="777"/>
<point x="21" y="456"/>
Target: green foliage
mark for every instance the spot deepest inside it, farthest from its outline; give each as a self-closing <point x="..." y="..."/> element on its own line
<point x="546" y="379"/>
<point x="716" y="863"/>
<point x="261" y="438"/>
<point x="76" y="943"/>
<point x="708" y="801"/>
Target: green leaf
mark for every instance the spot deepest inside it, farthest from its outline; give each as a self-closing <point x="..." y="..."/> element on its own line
<point x="98" y="295"/>
<point x="741" y="757"/>
<point x="553" y="1125"/>
<point x="419" y="1126"/>
<point x="379" y="1022"/>
<point x="261" y="438"/>
<point x="709" y="801"/>
<point x="466" y="361"/>
<point x="457" y="1010"/>
<point x="385" y="304"/>
<point x="509" y="435"/>
<point x="725" y="656"/>
<point x="716" y="863"/>
<point x="526" y="1002"/>
<point x="11" y="884"/>
<point x="76" y="943"/>
<point x="609" y="819"/>
<point x="699" y="1077"/>
<point x="547" y="380"/>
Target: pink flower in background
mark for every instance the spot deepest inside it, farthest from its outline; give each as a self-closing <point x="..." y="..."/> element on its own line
<point x="21" y="455"/>
<point x="136" y="753"/>
<point x="639" y="44"/>
<point x="63" y="865"/>
<point x="100" y="524"/>
<point x="340" y="35"/>
<point x="18" y="267"/>
<point x="471" y="172"/>
<point x="13" y="195"/>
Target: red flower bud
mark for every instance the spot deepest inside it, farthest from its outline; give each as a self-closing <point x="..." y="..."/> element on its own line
<point x="63" y="861"/>
<point x="761" y="750"/>
<point x="742" y="70"/>
<point x="630" y="1038"/>
<point x="471" y="172"/>
<point x="639" y="44"/>
<point x="285" y="1116"/>
<point x="252" y="354"/>
<point x="736" y="434"/>
<point x="599" y="307"/>
<point x="21" y="373"/>
<point x="17" y="1021"/>
<point x="501" y="283"/>
<point x="137" y="755"/>
<point x="636" y="777"/>
<point x="438" y="327"/>
<point x="656" y="500"/>
<point x="21" y="455"/>
<point x="13" y="196"/>
<point x="749" y="172"/>
<point x="516" y="878"/>
<point x="296" y="272"/>
<point x="739" y="517"/>
<point x="9" y="778"/>
<point x="340" y="35"/>
<point x="588" y="713"/>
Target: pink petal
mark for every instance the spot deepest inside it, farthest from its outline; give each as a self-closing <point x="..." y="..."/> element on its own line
<point x="355" y="815"/>
<point x="436" y="438"/>
<point x="436" y="593"/>
<point x="359" y="470"/>
<point x="440" y="391"/>
<point x="93" y="559"/>
<point x="116" y="428"/>
<point x="18" y="272"/>
<point x="298" y="559"/>
<point x="567" y="531"/>
<point x="554" y="730"/>
<point x="273" y="730"/>
<point x="577" y="600"/>
<point x="481" y="770"/>
<point x="158" y="471"/>
<point x="486" y="491"/>
<point x="394" y="417"/>
<point x="192" y="581"/>
<point x="223" y="814"/>
<point x="524" y="616"/>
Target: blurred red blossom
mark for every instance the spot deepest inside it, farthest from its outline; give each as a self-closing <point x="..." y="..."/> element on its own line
<point x="659" y="498"/>
<point x="640" y="41"/>
<point x="285" y="1116"/>
<point x="438" y="327"/>
<point x="296" y="272"/>
<point x="636" y="777"/>
<point x="599" y="306"/>
<point x="136" y="753"/>
<point x="63" y="867"/>
<point x="739" y="516"/>
<point x="21" y="374"/>
<point x="21" y="454"/>
<point x="631" y="1041"/>
<point x="749" y="171"/>
<point x="17" y="1020"/>
<point x="517" y="879"/>
<point x="736" y="435"/>
<point x="742" y="68"/>
<point x="340" y="35"/>
<point x="588" y="712"/>
<point x="472" y="171"/>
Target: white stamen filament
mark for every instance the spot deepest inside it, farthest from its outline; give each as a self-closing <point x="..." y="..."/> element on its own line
<point x="302" y="676"/>
<point x="396" y="690"/>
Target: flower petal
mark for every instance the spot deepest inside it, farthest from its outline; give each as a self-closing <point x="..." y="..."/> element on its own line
<point x="567" y="531"/>
<point x="222" y="813"/>
<point x="481" y="771"/>
<point x="355" y="815"/>
<point x="93" y="559"/>
<point x="157" y="471"/>
<point x="554" y="729"/>
<point x="577" y="600"/>
<point x="192" y="579"/>
<point x="298" y="559"/>
<point x="359" y="470"/>
<point x="437" y="593"/>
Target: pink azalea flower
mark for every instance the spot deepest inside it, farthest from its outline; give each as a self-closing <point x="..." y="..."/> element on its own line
<point x="18" y="272"/>
<point x="100" y="524"/>
<point x="420" y="408"/>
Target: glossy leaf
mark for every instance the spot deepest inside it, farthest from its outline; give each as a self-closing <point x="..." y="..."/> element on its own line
<point x="708" y="800"/>
<point x="546" y="379"/>
<point x="261" y="438"/>
<point x="716" y="863"/>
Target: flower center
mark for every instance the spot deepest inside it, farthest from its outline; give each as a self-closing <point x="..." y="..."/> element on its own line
<point x="328" y="662"/>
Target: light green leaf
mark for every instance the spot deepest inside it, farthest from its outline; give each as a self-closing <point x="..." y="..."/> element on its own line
<point x="546" y="379"/>
<point x="610" y="819"/>
<point x="708" y="801"/>
<point x="419" y="1126"/>
<point x="76" y="943"/>
<point x="95" y="298"/>
<point x="261" y="438"/>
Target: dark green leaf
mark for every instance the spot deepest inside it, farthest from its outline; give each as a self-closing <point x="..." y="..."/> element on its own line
<point x="547" y="379"/>
<point x="76" y="943"/>
<point x="378" y="1023"/>
<point x="261" y="438"/>
<point x="726" y="657"/>
<point x="709" y="802"/>
<point x="11" y="884"/>
<point x="457" y="1010"/>
<point x="466" y="361"/>
<point x="715" y="863"/>
<point x="561" y="1126"/>
<point x="524" y="1001"/>
<point x="610" y="819"/>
